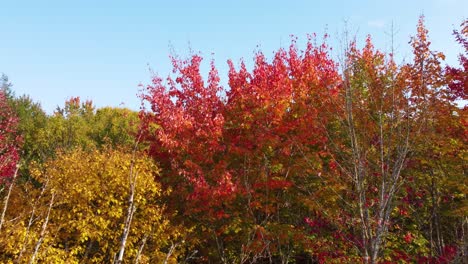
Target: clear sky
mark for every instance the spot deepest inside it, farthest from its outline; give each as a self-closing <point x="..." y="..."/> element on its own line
<point x="102" y="49"/>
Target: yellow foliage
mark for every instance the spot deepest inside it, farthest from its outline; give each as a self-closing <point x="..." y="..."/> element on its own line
<point x="86" y="221"/>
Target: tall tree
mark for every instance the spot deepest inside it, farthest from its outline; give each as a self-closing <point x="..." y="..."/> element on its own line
<point x="439" y="159"/>
<point x="243" y="164"/>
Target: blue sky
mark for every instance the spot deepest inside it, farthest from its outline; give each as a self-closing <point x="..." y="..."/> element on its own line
<point x="102" y="50"/>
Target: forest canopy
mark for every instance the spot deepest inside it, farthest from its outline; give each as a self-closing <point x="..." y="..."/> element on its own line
<point x="302" y="159"/>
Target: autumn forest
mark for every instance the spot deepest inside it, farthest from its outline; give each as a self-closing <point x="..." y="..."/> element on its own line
<point x="305" y="158"/>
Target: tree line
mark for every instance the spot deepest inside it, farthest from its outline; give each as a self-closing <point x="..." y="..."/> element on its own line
<point x="303" y="159"/>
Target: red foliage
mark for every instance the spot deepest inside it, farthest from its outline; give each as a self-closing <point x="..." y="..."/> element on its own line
<point x="197" y="134"/>
<point x="184" y="129"/>
<point x="261" y="151"/>
<point x="8" y="139"/>
<point x="458" y="77"/>
<point x="408" y="237"/>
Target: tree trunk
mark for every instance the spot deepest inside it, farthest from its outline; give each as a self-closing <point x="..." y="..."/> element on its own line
<point x="43" y="231"/>
<point x="7" y="198"/>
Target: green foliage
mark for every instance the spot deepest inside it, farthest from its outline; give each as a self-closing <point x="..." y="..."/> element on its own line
<point x="32" y="126"/>
<point x="114" y="126"/>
